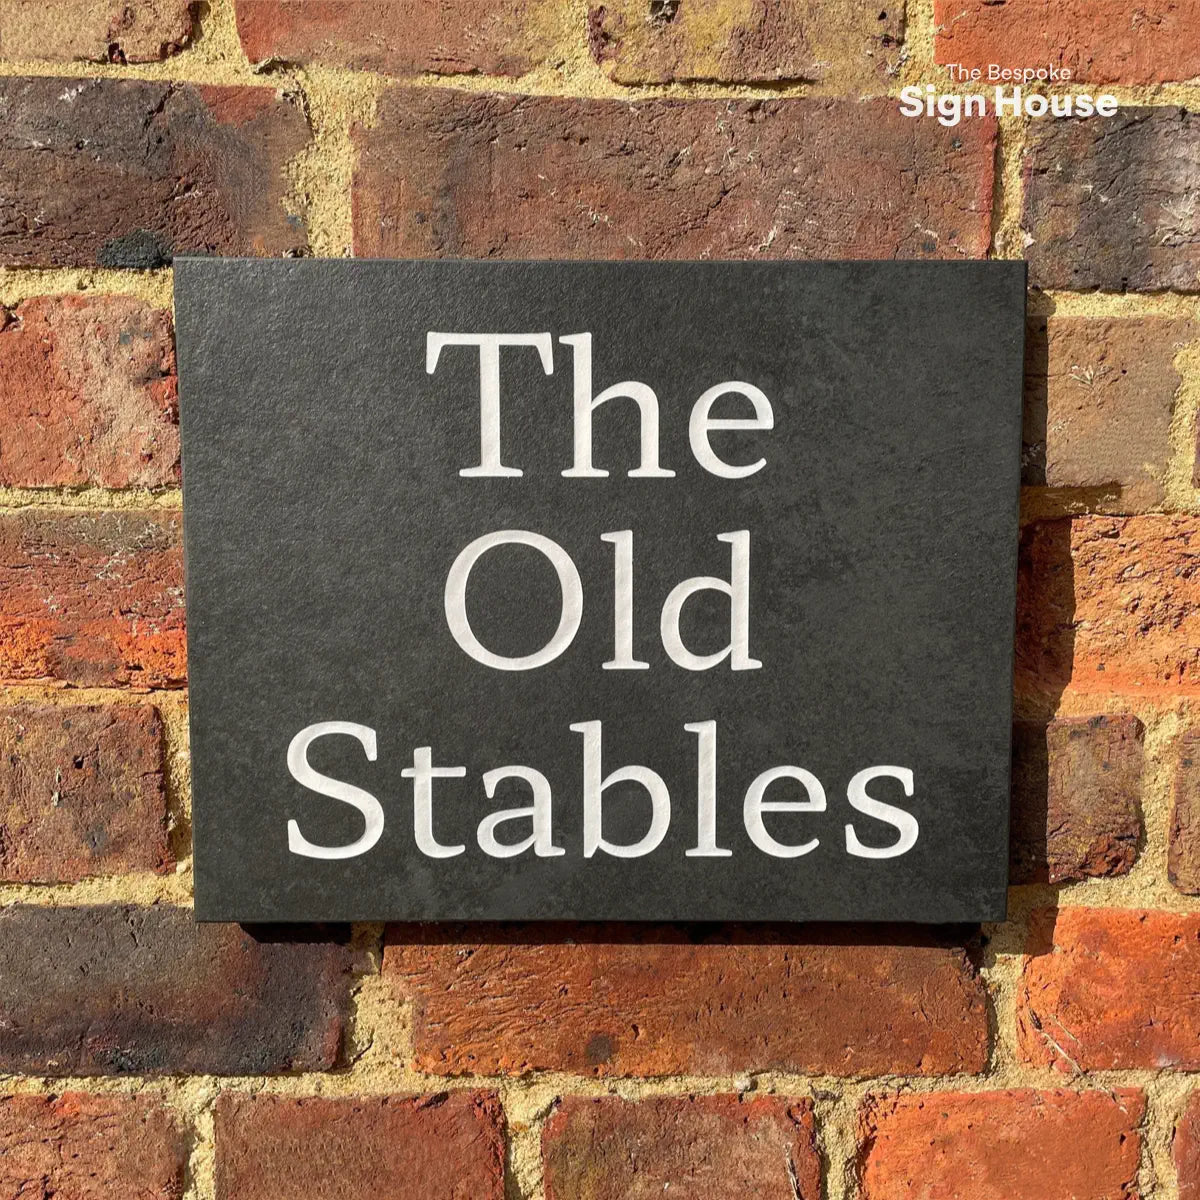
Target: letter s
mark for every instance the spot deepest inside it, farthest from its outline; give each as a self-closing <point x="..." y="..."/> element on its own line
<point x="371" y="809"/>
<point x="905" y="822"/>
<point x="912" y="102"/>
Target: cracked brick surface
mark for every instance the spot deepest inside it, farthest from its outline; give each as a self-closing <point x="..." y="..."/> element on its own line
<point x="457" y="174"/>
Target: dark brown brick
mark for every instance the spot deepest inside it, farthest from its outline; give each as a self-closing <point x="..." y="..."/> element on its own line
<point x="1099" y="399"/>
<point x="663" y="1001"/>
<point x="1183" y="854"/>
<point x="451" y="173"/>
<point x="1053" y="1145"/>
<point x="93" y="30"/>
<point x="114" y="990"/>
<point x="81" y="792"/>
<point x="440" y="1147"/>
<point x="1077" y="785"/>
<point x="83" y="1147"/>
<point x="92" y="599"/>
<point x="88" y="393"/>
<point x="702" y="1147"/>
<point x="731" y="41"/>
<point x="402" y="37"/>
<point x="1111" y="202"/>
<point x="128" y="172"/>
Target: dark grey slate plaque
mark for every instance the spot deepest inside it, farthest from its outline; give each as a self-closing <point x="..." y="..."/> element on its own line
<point x="336" y="574"/>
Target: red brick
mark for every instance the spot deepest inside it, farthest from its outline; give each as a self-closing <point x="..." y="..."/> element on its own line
<point x="1099" y="399"/>
<point x="112" y="990"/>
<point x="1111" y="988"/>
<point x="88" y="393"/>
<point x="702" y="1147"/>
<point x="1098" y="41"/>
<point x="747" y="41"/>
<point x="128" y="172"/>
<point x="94" y="30"/>
<point x="1055" y="1145"/>
<point x="1075" y="797"/>
<point x="82" y="1147"/>
<point x="1186" y="1146"/>
<point x="461" y="174"/>
<point x="81" y="792"/>
<point x="662" y="1001"/>
<point x="402" y="37"/>
<point x="92" y="599"/>
<point x="1110" y="201"/>
<point x="440" y="1147"/>
<point x="1183" y="854"/>
<point x="1110" y="604"/>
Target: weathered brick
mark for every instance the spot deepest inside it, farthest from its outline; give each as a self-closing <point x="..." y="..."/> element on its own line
<point x="747" y="41"/>
<point x="1098" y="41"/>
<point x="1111" y="988"/>
<point x="463" y="174"/>
<point x="83" y="1147"/>
<point x="1110" y="202"/>
<point x="1183" y="853"/>
<point x="1186" y="1147"/>
<point x="440" y="1147"/>
<point x="403" y="37"/>
<point x="93" y="30"/>
<point x="1099" y="398"/>
<point x="92" y="599"/>
<point x="1110" y="604"/>
<point x="662" y="1001"/>
<point x="88" y="393"/>
<point x="1075" y="797"/>
<point x="128" y="172"/>
<point x="1055" y="1145"/>
<point x="703" y="1147"/>
<point x="112" y="990"/>
<point x="81" y="792"/>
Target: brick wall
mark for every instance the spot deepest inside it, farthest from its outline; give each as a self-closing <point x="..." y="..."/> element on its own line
<point x="1054" y="1056"/>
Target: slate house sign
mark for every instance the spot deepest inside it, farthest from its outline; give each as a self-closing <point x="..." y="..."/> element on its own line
<point x="600" y="590"/>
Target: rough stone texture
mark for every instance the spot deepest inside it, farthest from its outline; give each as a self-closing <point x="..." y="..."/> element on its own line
<point x="1075" y="798"/>
<point x="81" y="792"/>
<point x="1183" y="854"/>
<point x="1111" y="988"/>
<point x="88" y="393"/>
<point x="94" y="30"/>
<point x="400" y="37"/>
<point x="1055" y="1145"/>
<point x="127" y="172"/>
<point x="83" y="1147"/>
<point x="440" y="1147"/>
<point x="747" y="41"/>
<point x="1186" y="1147"/>
<point x="112" y="990"/>
<point x="1098" y="41"/>
<point x="1109" y="604"/>
<point x="92" y="599"/>
<point x="701" y="1147"/>
<point x="1099" y="398"/>
<point x="661" y="1001"/>
<point x="1111" y="202"/>
<point x="458" y="174"/>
